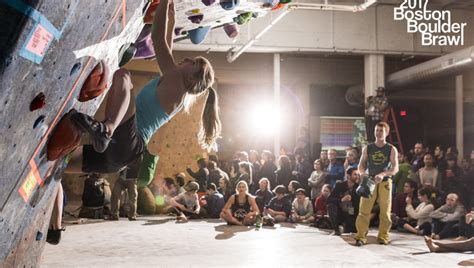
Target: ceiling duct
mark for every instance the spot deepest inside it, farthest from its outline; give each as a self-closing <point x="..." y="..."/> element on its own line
<point x="448" y="65"/>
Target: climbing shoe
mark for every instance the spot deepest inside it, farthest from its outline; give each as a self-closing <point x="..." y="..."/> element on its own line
<point x="96" y="130"/>
<point x="54" y="236"/>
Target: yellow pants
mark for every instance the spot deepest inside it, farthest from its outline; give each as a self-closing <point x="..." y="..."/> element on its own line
<point x="383" y="195"/>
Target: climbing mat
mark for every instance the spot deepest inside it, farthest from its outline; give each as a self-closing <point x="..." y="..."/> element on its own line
<point x="58" y="57"/>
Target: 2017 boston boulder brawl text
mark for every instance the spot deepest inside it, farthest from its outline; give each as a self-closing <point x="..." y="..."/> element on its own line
<point x="435" y="26"/>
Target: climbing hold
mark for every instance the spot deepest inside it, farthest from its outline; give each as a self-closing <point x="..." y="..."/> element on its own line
<point x="229" y="4"/>
<point x="243" y="18"/>
<point x="96" y="82"/>
<point x="39" y="236"/>
<point x="38" y="121"/>
<point x="270" y="3"/>
<point x="64" y="139"/>
<point x="76" y="67"/>
<point x="178" y="31"/>
<point x="198" y="35"/>
<point x="196" y="18"/>
<point x="38" y="102"/>
<point x="208" y="2"/>
<point x="193" y="12"/>
<point x="278" y="6"/>
<point x="150" y="13"/>
<point x="231" y="30"/>
<point x="285" y="1"/>
<point x="144" y="44"/>
<point x="126" y="53"/>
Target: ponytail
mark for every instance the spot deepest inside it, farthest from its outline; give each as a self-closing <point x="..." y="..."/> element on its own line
<point x="210" y="123"/>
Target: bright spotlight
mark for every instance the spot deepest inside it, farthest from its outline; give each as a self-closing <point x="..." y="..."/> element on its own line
<point x="264" y="120"/>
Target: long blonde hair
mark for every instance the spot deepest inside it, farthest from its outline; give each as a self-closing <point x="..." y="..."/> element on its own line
<point x="210" y="128"/>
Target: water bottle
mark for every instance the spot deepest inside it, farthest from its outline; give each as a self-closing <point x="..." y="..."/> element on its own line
<point x="258" y="223"/>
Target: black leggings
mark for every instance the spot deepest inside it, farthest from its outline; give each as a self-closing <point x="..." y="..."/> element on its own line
<point x="445" y="229"/>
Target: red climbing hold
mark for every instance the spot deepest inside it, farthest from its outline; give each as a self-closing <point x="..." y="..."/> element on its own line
<point x="65" y="138"/>
<point x="150" y="12"/>
<point x="38" y="102"/>
<point x="96" y="83"/>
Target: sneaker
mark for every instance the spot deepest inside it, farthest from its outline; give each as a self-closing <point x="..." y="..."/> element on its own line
<point x="268" y="221"/>
<point x="359" y="243"/>
<point x="132" y="218"/>
<point x="383" y="242"/>
<point x="96" y="130"/>
<point x="113" y="218"/>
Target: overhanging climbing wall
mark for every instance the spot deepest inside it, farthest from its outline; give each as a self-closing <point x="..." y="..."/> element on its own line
<point x="48" y="48"/>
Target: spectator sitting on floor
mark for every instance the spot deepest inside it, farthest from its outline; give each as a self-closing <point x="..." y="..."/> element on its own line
<point x="428" y="176"/>
<point x="403" y="172"/>
<point x="302" y="211"/>
<point x="320" y="208"/>
<point x="279" y="207"/>
<point x="399" y="204"/>
<point x="263" y="194"/>
<point x="201" y="175"/>
<point x="292" y="187"/>
<point x="419" y="221"/>
<point x="187" y="203"/>
<point x="225" y="188"/>
<point x="212" y="202"/>
<point x="343" y="203"/>
<point x="317" y="179"/>
<point x="445" y="217"/>
<point x="466" y="226"/>
<point x="241" y="208"/>
<point x="180" y="179"/>
<point x="450" y="246"/>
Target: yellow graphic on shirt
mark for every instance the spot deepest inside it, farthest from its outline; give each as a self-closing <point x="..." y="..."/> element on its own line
<point x="378" y="158"/>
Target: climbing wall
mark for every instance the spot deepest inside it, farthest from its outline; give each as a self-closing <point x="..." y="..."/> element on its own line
<point x="48" y="48"/>
<point x="49" y="51"/>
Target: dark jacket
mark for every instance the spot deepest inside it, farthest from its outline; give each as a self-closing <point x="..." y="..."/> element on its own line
<point x="268" y="171"/>
<point x="215" y="204"/>
<point x="201" y="177"/>
<point x="215" y="175"/>
<point x="263" y="198"/>
<point x="342" y="189"/>
<point x="280" y="205"/>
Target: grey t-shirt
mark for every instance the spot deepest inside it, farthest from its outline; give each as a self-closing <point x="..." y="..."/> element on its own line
<point x="187" y="200"/>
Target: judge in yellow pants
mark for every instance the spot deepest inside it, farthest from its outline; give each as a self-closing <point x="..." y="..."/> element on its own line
<point x="383" y="196"/>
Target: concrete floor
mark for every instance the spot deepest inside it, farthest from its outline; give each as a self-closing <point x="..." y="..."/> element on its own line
<point x="160" y="242"/>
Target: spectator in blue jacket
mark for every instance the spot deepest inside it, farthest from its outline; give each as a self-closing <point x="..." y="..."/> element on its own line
<point x="335" y="169"/>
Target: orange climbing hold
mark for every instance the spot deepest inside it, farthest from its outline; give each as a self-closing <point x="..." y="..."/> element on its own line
<point x="65" y="138"/>
<point x="96" y="83"/>
<point x="150" y="12"/>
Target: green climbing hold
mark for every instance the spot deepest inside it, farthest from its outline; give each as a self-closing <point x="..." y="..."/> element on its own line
<point x="243" y="18"/>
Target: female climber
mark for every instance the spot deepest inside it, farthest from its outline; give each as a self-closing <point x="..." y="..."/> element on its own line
<point x="130" y="122"/>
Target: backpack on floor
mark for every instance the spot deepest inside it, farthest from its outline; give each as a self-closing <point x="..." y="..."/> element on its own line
<point x="94" y="191"/>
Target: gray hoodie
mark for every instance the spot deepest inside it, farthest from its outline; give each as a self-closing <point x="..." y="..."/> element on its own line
<point x="445" y="213"/>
